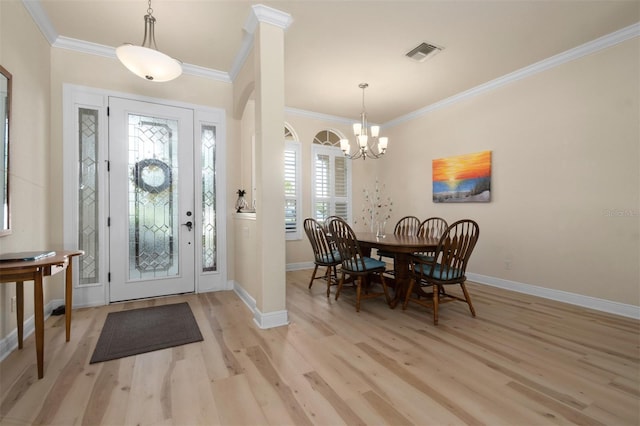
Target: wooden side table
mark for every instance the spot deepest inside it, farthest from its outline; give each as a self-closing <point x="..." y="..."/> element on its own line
<point x="19" y="271"/>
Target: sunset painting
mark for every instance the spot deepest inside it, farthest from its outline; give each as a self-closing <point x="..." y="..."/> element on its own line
<point x="462" y="179"/>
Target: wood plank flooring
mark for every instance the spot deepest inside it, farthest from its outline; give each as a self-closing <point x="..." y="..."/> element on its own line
<point x="522" y="361"/>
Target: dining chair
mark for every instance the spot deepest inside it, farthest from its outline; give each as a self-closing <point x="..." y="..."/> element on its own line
<point x="325" y="254"/>
<point x="433" y="227"/>
<point x="448" y="267"/>
<point x="328" y="220"/>
<point x="408" y="225"/>
<point x="356" y="265"/>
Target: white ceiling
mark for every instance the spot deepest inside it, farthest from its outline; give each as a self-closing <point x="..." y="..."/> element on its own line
<point x="332" y="46"/>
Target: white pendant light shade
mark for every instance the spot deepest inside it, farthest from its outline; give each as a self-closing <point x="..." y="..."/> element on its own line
<point x="146" y="61"/>
<point x="149" y="64"/>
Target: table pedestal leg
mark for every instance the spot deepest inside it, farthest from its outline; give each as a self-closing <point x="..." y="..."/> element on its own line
<point x="401" y="267"/>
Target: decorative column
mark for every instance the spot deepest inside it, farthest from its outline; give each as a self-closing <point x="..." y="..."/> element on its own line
<point x="268" y="51"/>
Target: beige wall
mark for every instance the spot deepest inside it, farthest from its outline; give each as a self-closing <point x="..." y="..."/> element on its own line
<point x="245" y="251"/>
<point x="565" y="146"/>
<point x="29" y="63"/>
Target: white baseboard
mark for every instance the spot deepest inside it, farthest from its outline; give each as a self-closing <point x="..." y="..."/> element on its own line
<point x="622" y="309"/>
<point x="245" y="297"/>
<point x="271" y="319"/>
<point x="262" y="320"/>
<point x="299" y="266"/>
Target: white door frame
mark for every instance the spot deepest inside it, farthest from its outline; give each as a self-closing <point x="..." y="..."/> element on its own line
<point x="75" y="97"/>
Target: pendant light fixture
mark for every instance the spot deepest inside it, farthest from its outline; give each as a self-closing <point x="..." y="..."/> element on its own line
<point x="368" y="145"/>
<point x="146" y="61"/>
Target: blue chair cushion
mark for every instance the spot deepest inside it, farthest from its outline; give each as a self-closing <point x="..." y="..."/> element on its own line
<point x="369" y="264"/>
<point x="326" y="258"/>
<point x="438" y="273"/>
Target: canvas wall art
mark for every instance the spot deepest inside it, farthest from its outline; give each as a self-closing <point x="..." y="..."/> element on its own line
<point x="463" y="178"/>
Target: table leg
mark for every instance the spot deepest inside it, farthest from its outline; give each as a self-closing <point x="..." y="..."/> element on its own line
<point x="401" y="267"/>
<point x="39" y="325"/>
<point x="68" y="298"/>
<point x="20" y="311"/>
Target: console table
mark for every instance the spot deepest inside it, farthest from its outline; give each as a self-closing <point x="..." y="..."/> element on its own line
<point x="19" y="271"/>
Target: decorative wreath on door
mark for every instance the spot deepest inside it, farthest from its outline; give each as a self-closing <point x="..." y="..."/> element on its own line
<point x="152" y="175"/>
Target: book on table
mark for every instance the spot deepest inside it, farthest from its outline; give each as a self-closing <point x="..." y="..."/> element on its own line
<point x="26" y="255"/>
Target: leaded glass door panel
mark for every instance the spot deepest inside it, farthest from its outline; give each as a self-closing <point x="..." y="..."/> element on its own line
<point x="152" y="200"/>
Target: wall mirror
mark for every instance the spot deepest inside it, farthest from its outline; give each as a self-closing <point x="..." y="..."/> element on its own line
<point x="5" y="109"/>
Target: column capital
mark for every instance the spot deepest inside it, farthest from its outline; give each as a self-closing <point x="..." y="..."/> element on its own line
<point x="269" y="15"/>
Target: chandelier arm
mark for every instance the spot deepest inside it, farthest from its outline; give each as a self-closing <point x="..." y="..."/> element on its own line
<point x="357" y="154"/>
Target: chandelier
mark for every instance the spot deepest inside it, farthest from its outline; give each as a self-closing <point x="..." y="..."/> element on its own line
<point x="146" y="61"/>
<point x="369" y="145"/>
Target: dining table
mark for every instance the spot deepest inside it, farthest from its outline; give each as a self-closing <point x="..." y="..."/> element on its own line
<point x="402" y="247"/>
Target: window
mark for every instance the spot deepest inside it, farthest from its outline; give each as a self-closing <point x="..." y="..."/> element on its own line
<point x="209" y="193"/>
<point x="331" y="175"/>
<point x="89" y="237"/>
<point x="292" y="186"/>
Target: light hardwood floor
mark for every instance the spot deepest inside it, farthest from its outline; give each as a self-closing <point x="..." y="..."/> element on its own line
<point x="522" y="361"/>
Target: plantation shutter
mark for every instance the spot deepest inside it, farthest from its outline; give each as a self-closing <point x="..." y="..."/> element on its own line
<point x="292" y="190"/>
<point x="330" y="183"/>
<point x="340" y="188"/>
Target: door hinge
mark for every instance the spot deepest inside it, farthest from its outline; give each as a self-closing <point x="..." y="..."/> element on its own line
<point x="108" y="165"/>
<point x="108" y="111"/>
<point x="109" y="221"/>
<point x="109" y="277"/>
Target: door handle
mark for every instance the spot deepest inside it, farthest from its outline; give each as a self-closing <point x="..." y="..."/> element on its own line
<point x="189" y="225"/>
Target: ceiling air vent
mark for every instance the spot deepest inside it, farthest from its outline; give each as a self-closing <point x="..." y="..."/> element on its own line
<point x="423" y="51"/>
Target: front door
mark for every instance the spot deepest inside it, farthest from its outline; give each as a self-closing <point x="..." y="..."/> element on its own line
<point x="151" y="235"/>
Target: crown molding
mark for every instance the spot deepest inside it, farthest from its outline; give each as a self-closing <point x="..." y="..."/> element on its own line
<point x="212" y="74"/>
<point x="84" y="47"/>
<point x="268" y="15"/>
<point x="259" y="13"/>
<point x="552" y="62"/>
<point x="40" y="17"/>
<point x="242" y="55"/>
